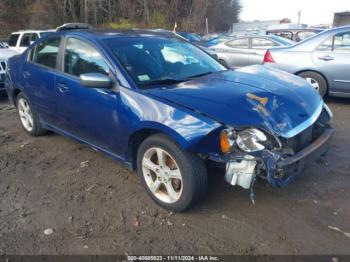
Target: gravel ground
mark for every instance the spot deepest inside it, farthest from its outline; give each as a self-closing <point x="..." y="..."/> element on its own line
<point x="60" y="197"/>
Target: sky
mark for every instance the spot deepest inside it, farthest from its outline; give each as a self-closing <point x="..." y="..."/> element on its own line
<point x="313" y="12"/>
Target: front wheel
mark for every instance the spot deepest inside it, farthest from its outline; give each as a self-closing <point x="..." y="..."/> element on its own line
<point x="174" y="178"/>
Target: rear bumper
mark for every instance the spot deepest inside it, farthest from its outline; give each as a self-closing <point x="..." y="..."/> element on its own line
<point x="289" y="168"/>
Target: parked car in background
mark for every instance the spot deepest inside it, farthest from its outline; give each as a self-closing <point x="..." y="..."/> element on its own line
<point x="217" y="40"/>
<point x="3" y="44"/>
<point x="190" y="36"/>
<point x="296" y="35"/>
<point x="323" y="60"/>
<point x="5" y="54"/>
<point x="209" y="36"/>
<point x="166" y="108"/>
<point x="19" y="41"/>
<point x="249" y="50"/>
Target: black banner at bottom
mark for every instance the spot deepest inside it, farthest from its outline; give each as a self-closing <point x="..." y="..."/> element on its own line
<point x="175" y="258"/>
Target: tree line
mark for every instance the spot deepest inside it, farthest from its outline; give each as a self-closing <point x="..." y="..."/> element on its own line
<point x="189" y="15"/>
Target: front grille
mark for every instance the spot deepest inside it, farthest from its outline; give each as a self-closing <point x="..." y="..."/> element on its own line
<point x="309" y="135"/>
<point x="3" y="65"/>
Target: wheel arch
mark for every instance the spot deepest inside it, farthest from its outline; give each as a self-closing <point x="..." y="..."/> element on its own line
<point x="15" y="93"/>
<point x="317" y="72"/>
<point x="204" y="141"/>
<point x="139" y="135"/>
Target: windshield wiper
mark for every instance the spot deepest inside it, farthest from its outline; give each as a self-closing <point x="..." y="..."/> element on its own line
<point x="163" y="81"/>
<point x="200" y="75"/>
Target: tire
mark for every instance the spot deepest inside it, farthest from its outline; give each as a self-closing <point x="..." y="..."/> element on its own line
<point x="32" y="127"/>
<point x="316" y="80"/>
<point x="192" y="169"/>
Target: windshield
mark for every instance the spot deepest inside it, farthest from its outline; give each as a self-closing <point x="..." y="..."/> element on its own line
<point x="191" y="37"/>
<point x="158" y="60"/>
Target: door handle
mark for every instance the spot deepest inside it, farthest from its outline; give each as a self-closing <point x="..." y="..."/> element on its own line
<point x="26" y="74"/>
<point x="326" y="58"/>
<point x="62" y="87"/>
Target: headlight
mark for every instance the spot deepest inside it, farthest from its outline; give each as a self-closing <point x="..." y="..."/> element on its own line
<point x="226" y="140"/>
<point x="248" y="140"/>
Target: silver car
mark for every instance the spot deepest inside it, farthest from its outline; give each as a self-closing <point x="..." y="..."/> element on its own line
<point x="323" y="60"/>
<point x="247" y="50"/>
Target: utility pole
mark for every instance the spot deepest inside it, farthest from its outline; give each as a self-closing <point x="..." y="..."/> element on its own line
<point x="299" y="17"/>
<point x="206" y="25"/>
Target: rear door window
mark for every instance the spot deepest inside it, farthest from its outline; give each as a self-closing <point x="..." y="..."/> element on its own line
<point x="239" y="43"/>
<point x="46" y="52"/>
<point x="81" y="58"/>
<point x="326" y="46"/>
<point x="262" y="43"/>
<point x="13" y="40"/>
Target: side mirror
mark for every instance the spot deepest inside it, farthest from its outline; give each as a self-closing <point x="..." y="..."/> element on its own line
<point x="95" y="80"/>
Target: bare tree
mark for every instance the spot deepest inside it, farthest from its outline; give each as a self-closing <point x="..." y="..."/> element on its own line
<point x="189" y="14"/>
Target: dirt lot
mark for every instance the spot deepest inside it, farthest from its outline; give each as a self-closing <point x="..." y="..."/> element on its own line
<point x="96" y="206"/>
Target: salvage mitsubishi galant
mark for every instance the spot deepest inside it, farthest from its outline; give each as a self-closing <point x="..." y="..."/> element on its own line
<point x="166" y="108"/>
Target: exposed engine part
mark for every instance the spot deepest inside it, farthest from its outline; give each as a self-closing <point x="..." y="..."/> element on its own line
<point x="241" y="172"/>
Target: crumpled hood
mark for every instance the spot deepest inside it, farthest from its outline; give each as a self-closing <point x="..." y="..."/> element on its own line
<point x="250" y="96"/>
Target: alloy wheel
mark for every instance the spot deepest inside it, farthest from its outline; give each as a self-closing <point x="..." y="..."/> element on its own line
<point x="25" y="114"/>
<point x="313" y="82"/>
<point x="162" y="175"/>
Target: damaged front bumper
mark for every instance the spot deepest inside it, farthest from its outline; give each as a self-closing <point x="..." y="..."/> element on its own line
<point x="278" y="168"/>
<point x="281" y="171"/>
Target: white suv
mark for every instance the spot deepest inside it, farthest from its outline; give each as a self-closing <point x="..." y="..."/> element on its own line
<point x="19" y="41"/>
<point x="5" y="54"/>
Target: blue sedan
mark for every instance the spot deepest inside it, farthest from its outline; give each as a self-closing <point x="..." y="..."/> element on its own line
<point x="166" y="108"/>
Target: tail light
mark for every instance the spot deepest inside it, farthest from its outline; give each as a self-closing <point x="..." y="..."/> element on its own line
<point x="268" y="57"/>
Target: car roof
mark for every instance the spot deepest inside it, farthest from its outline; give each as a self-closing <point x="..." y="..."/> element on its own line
<point x="309" y="44"/>
<point x="107" y="34"/>
<point x="30" y="31"/>
<point x="297" y="29"/>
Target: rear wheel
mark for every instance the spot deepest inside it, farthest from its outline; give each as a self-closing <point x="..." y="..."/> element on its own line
<point x="316" y="81"/>
<point x="27" y="116"/>
<point x="174" y="178"/>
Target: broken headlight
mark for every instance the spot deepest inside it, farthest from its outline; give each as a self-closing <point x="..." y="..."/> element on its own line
<point x="248" y="140"/>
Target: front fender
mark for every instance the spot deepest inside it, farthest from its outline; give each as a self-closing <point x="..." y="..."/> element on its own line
<point x="184" y="126"/>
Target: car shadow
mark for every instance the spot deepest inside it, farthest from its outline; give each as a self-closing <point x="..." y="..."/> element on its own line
<point x="3" y="97"/>
<point x="337" y="100"/>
